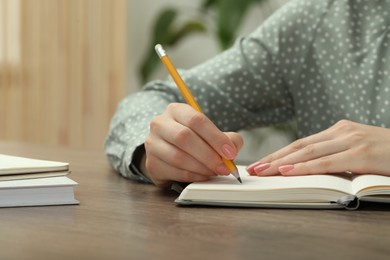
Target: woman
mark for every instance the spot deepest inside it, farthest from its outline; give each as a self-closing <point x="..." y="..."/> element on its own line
<point x="324" y="64"/>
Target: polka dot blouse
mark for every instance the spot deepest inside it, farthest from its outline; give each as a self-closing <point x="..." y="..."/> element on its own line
<point x="314" y="62"/>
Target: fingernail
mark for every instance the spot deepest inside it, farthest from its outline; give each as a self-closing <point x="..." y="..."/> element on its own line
<point x="262" y="167"/>
<point x="223" y="170"/>
<point x="252" y="166"/>
<point x="285" y="168"/>
<point x="229" y="152"/>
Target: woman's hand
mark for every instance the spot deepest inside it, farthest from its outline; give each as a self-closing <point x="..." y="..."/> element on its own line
<point x="185" y="146"/>
<point x="344" y="147"/>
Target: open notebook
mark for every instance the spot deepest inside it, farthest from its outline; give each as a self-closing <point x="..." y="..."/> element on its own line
<point x="311" y="191"/>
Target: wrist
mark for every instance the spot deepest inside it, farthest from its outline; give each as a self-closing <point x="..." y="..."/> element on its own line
<point x="137" y="165"/>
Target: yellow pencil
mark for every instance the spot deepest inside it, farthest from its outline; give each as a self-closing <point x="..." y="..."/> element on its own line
<point x="189" y="98"/>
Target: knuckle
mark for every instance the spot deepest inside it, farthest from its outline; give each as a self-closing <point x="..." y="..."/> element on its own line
<point x="237" y="139"/>
<point x="308" y="150"/>
<point x="298" y="144"/>
<point x="344" y="125"/>
<point x="240" y="141"/>
<point x="182" y="135"/>
<point x="148" y="141"/>
<point x="173" y="106"/>
<point x="196" y="120"/>
<point x="358" y="136"/>
<point x="343" y="122"/>
<point x="176" y="158"/>
<point x="154" y="123"/>
<point x="269" y="158"/>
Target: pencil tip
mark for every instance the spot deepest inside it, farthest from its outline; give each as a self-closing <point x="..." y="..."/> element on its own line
<point x="236" y="174"/>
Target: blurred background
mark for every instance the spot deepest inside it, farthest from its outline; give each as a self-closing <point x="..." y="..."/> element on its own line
<point x="65" y="64"/>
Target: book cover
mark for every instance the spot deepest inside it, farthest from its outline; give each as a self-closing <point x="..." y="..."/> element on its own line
<point x="21" y="165"/>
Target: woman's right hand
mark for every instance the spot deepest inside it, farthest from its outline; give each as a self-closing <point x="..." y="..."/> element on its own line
<point x="185" y="146"/>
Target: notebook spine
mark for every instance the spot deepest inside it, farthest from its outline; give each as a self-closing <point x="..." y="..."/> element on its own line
<point x="350" y="202"/>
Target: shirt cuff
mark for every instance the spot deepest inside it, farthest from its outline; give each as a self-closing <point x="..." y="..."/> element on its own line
<point x="135" y="162"/>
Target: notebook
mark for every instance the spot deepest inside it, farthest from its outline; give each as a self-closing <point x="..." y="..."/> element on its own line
<point x="10" y="165"/>
<point x="310" y="191"/>
<point x="32" y="182"/>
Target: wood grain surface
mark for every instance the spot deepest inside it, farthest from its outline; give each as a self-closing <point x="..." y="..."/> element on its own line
<point x="122" y="219"/>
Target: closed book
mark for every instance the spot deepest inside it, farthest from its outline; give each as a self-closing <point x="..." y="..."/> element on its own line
<point x="37" y="192"/>
<point x="21" y="165"/>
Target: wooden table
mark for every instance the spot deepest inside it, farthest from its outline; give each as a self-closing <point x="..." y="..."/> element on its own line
<point x="121" y="219"/>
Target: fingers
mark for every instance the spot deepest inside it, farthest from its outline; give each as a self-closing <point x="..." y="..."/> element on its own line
<point x="189" y="142"/>
<point x="344" y="146"/>
<point x="184" y="145"/>
<point x="163" y="174"/>
<point x="237" y="139"/>
<point x="334" y="163"/>
<point x="308" y="148"/>
<point x="160" y="151"/>
<point x="307" y="153"/>
<point x="293" y="147"/>
<point x="205" y="129"/>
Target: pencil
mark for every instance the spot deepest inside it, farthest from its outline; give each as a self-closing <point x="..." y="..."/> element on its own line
<point x="190" y="99"/>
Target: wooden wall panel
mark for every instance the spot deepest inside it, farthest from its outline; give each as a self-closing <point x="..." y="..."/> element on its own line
<point x="71" y="72"/>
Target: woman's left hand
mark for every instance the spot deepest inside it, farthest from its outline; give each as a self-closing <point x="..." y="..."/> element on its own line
<point x="344" y="147"/>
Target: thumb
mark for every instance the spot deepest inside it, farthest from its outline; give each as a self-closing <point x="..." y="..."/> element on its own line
<point x="236" y="138"/>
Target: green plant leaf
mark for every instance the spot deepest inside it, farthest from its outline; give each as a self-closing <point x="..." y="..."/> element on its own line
<point x="185" y="30"/>
<point x="165" y="33"/>
<point x="163" y="25"/>
<point x="148" y="65"/>
<point x="230" y="16"/>
<point x="162" y="29"/>
<point x="207" y="4"/>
